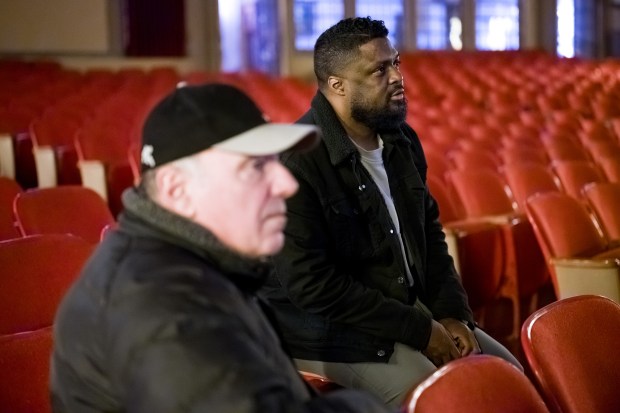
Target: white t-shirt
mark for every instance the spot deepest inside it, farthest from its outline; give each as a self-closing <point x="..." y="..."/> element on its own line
<point x="373" y="162"/>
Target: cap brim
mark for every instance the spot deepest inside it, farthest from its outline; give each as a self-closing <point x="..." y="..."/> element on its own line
<point x="272" y="138"/>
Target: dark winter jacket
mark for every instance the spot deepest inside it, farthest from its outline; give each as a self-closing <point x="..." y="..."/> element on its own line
<point x="339" y="287"/>
<point x="165" y="319"/>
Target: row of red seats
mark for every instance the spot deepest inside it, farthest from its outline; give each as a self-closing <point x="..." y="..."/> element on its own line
<point x="567" y="349"/>
<point x="46" y="236"/>
<point x="37" y="270"/>
<point x="514" y="227"/>
<point x="559" y="113"/>
<point x="85" y="128"/>
<point x="55" y="119"/>
<point x="495" y="111"/>
<point x="36" y="280"/>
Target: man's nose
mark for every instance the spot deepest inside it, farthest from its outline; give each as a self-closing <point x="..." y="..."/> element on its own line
<point x="395" y="75"/>
<point x="284" y="183"/>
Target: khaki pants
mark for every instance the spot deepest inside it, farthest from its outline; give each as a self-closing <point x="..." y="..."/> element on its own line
<point x="393" y="380"/>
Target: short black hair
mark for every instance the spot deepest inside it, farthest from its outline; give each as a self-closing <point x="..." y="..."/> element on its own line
<point x="337" y="45"/>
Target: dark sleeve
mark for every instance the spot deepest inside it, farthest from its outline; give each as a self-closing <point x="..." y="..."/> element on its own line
<point x="445" y="295"/>
<point x="209" y="362"/>
<point x="306" y="269"/>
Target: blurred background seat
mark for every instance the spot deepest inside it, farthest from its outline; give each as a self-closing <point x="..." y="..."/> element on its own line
<point x="67" y="209"/>
<point x="24" y="371"/>
<point x="36" y="273"/>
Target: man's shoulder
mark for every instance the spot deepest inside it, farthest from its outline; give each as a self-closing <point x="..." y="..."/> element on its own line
<point x="307" y="118"/>
<point x="412" y="138"/>
<point x="408" y="131"/>
<point x="311" y="167"/>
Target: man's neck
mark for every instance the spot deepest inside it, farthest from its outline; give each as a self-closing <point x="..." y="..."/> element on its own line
<point x="369" y="143"/>
<point x="362" y="135"/>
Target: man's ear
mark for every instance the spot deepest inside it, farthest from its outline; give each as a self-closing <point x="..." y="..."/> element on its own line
<point x="335" y="85"/>
<point x="172" y="190"/>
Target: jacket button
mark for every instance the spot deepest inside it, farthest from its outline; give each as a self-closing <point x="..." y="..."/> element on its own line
<point x="381" y="353"/>
<point x="391" y="231"/>
<point x="401" y="280"/>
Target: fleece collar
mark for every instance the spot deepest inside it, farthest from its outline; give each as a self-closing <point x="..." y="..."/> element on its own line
<point x="146" y="218"/>
<point x="339" y="146"/>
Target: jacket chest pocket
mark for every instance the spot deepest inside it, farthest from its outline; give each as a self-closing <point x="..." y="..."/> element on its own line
<point x="412" y="199"/>
<point x="349" y="229"/>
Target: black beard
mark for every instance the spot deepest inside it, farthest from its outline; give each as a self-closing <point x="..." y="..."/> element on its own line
<point x="386" y="118"/>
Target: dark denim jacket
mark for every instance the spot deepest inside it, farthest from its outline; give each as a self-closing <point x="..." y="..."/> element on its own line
<point x="339" y="287"/>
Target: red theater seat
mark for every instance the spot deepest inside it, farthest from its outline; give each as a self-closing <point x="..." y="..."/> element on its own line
<point x="571" y="346"/>
<point x="24" y="371"/>
<point x="73" y="210"/>
<point x="527" y="179"/>
<point x="486" y="197"/>
<point x="603" y="198"/>
<point x="36" y="273"/>
<point x="476" y="384"/>
<point x="576" y="253"/>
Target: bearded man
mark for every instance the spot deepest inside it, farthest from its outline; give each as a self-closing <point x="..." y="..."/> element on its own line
<point x="364" y="288"/>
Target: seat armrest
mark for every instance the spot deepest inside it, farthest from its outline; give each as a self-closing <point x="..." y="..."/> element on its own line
<point x="93" y="176"/>
<point x="587" y="276"/>
<point x="45" y="161"/>
<point x="455" y="230"/>
<point x="453" y="249"/>
<point x="7" y="156"/>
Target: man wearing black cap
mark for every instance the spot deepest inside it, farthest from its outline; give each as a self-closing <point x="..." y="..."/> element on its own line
<point x="164" y="317"/>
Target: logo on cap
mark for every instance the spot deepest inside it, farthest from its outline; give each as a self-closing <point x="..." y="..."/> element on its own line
<point x="147" y="156"/>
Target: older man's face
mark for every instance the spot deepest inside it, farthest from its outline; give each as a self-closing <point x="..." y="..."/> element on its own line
<point x="242" y="200"/>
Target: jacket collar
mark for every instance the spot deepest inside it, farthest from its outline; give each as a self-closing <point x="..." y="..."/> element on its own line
<point x="144" y="217"/>
<point x="339" y="146"/>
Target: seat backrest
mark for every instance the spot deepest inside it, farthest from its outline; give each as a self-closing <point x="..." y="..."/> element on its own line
<point x="479" y="247"/>
<point x="571" y="346"/>
<point x="481" y="192"/>
<point x="463" y="158"/>
<point x="527" y="179"/>
<point x="602" y="149"/>
<point x="610" y="167"/>
<point x="595" y="130"/>
<point x="65" y="209"/>
<point x="448" y="209"/>
<point x="604" y="200"/>
<point x="36" y="273"/>
<point x="24" y="371"/>
<point x="438" y="163"/>
<point x="563" y="226"/>
<point x="104" y="139"/>
<point x="55" y="130"/>
<point x="480" y="383"/>
<point x="518" y="154"/>
<point x="9" y="189"/>
<point x="574" y="175"/>
<point x="561" y="149"/>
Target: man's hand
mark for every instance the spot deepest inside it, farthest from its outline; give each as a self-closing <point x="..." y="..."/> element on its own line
<point x="441" y="346"/>
<point x="462" y="335"/>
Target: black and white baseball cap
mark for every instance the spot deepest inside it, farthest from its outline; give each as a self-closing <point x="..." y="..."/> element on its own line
<point x="195" y="118"/>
